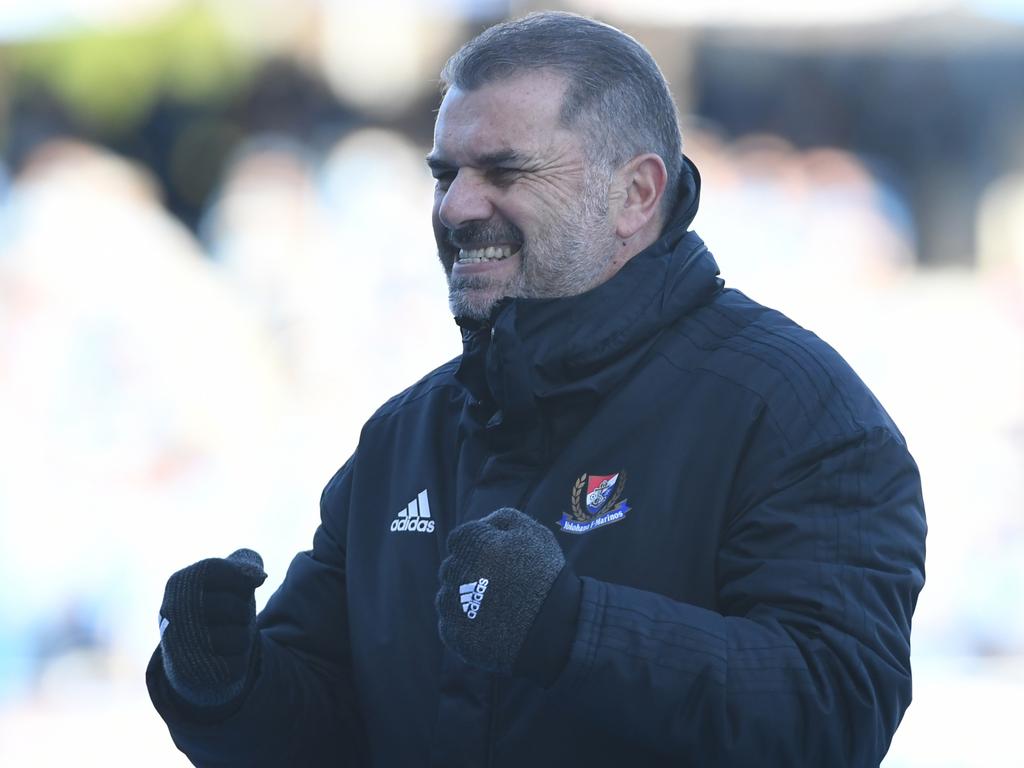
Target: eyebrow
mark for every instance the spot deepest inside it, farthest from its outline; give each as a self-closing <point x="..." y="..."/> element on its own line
<point x="489" y="160"/>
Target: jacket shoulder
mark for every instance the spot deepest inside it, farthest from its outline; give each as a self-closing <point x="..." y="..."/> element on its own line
<point x="805" y="388"/>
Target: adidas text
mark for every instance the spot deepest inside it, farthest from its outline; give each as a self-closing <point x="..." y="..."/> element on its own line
<point x="471" y="595"/>
<point x="415" y="517"/>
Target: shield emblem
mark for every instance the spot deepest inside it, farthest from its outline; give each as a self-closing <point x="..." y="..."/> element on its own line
<point x="599" y="490"/>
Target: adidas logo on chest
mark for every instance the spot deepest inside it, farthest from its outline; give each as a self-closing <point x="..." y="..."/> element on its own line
<point x="415" y="517"/>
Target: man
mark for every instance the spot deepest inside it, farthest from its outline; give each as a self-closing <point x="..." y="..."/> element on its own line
<point x="642" y="520"/>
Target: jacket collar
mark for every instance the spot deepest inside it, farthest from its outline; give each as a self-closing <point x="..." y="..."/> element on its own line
<point x="558" y="351"/>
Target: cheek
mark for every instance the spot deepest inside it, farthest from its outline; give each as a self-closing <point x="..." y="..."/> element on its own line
<point x="540" y="207"/>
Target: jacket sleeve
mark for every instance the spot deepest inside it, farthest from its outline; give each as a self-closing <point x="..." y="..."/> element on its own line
<point x="807" y="660"/>
<point x="300" y="708"/>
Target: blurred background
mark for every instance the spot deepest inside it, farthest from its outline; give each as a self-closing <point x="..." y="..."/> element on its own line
<point x="216" y="262"/>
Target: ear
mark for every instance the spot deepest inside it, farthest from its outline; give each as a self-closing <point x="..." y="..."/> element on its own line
<point x="640" y="185"/>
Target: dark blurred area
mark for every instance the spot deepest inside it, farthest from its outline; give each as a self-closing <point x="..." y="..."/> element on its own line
<point x="938" y="126"/>
<point x="937" y="123"/>
<point x="185" y="142"/>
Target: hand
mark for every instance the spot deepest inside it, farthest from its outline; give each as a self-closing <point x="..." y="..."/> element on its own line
<point x="208" y="627"/>
<point x="494" y="581"/>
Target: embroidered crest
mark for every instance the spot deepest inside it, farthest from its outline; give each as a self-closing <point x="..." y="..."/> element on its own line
<point x="595" y="503"/>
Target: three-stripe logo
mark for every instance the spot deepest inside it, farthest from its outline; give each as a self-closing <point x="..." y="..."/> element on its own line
<point x="471" y="596"/>
<point x="415" y="517"/>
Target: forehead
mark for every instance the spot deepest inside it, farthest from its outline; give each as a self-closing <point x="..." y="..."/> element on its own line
<point x="521" y="113"/>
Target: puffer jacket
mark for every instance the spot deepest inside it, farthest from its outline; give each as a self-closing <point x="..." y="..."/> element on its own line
<point x="746" y="519"/>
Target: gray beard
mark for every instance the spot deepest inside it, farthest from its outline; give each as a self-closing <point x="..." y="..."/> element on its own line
<point x="567" y="260"/>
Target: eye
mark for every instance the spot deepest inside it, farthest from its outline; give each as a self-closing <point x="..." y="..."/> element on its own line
<point x="503" y="175"/>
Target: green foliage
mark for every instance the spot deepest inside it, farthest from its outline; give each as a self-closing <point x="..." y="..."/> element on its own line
<point x="109" y="78"/>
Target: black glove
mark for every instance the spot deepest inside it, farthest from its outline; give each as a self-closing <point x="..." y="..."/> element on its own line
<point x="499" y="574"/>
<point x="208" y="627"/>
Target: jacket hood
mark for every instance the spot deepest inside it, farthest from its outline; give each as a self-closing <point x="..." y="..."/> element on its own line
<point x="545" y="351"/>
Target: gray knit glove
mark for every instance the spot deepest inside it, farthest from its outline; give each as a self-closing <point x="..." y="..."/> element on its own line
<point x="208" y="627"/>
<point x="497" y="574"/>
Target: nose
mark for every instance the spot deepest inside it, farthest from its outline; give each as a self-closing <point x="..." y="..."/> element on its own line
<point x="464" y="201"/>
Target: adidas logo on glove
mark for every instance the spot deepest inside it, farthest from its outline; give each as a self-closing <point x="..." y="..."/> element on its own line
<point x="471" y="596"/>
<point x="415" y="517"/>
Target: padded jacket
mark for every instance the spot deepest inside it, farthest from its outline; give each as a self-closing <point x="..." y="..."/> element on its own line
<point x="749" y="567"/>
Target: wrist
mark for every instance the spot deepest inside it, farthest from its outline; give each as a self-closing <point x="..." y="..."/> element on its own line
<point x="205" y="704"/>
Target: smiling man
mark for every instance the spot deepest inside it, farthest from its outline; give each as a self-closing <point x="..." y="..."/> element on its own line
<point x="641" y="520"/>
<point x="519" y="211"/>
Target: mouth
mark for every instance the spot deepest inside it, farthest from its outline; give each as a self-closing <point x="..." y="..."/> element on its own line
<point x="486" y="254"/>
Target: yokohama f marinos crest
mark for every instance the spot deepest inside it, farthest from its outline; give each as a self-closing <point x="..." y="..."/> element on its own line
<point x="596" y="502"/>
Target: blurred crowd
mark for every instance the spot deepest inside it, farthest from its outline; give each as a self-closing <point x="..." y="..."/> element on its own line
<point x="180" y="376"/>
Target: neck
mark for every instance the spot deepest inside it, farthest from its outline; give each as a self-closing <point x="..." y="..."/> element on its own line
<point x="639" y="242"/>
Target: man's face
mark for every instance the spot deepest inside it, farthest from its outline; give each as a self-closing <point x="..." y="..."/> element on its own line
<point x="518" y="210"/>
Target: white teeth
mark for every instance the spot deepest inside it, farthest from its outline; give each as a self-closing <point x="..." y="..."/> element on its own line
<point x="490" y="253"/>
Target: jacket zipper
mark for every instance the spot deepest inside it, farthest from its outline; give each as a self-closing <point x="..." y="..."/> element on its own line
<point x="492" y="723"/>
<point x="492" y="715"/>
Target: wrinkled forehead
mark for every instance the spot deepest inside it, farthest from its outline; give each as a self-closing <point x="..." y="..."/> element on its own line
<point x="521" y="112"/>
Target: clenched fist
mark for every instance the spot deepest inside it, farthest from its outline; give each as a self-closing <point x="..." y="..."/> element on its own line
<point x="208" y="627"/>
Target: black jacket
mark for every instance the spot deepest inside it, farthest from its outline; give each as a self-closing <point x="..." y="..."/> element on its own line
<point x="749" y="570"/>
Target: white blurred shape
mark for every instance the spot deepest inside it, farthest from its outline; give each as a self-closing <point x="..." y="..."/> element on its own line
<point x="379" y="197"/>
<point x="1001" y="225"/>
<point x="341" y="267"/>
<point x="965" y="714"/>
<point x="1006" y="10"/>
<point x="375" y="55"/>
<point x="138" y="403"/>
<point x="25" y="20"/>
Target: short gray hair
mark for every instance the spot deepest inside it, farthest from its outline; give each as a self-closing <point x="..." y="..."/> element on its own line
<point x="616" y="94"/>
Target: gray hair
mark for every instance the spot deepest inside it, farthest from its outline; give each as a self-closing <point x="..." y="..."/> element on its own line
<point x="616" y="95"/>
